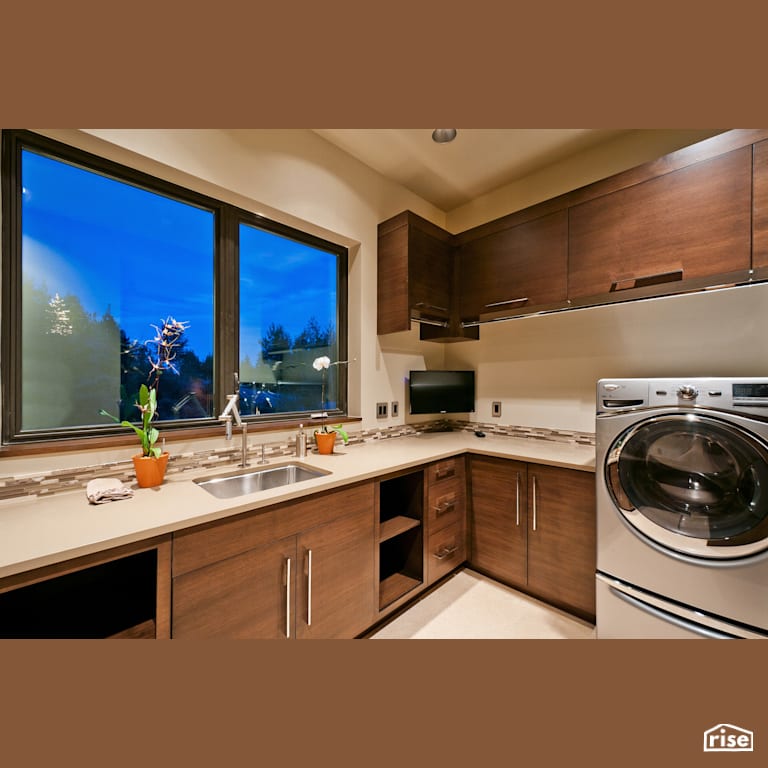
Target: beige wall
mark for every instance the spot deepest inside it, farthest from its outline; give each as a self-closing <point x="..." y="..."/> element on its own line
<point x="543" y="369"/>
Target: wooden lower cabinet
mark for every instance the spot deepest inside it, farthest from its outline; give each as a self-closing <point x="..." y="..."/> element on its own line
<point x="445" y="518"/>
<point x="533" y="527"/>
<point x="246" y="597"/>
<point x="498" y="519"/>
<point x="335" y="581"/>
<point x="333" y="564"/>
<point x="315" y="583"/>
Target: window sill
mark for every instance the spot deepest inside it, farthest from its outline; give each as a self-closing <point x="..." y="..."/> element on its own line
<point x="42" y="447"/>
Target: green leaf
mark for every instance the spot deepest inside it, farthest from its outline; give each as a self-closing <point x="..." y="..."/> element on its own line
<point x="342" y="433"/>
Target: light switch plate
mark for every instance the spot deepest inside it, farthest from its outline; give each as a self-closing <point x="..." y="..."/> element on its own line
<point x="395" y="408"/>
<point x="496" y="408"/>
<point x="381" y="410"/>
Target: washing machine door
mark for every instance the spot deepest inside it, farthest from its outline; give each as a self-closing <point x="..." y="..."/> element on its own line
<point x="693" y="483"/>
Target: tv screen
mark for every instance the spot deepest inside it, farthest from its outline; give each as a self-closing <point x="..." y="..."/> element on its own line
<point x="442" y="391"/>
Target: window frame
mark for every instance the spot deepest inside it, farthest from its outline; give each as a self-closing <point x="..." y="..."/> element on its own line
<point x="226" y="294"/>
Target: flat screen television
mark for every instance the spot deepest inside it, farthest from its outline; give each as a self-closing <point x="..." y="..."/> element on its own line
<point x="442" y="391"/>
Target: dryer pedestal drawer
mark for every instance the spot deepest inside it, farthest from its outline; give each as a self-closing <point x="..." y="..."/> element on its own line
<point x="628" y="613"/>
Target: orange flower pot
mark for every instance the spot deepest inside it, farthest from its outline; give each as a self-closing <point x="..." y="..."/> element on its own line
<point x="325" y="441"/>
<point x="150" y="471"/>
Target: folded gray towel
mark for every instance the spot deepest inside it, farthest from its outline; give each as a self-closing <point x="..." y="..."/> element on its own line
<point x="104" y="489"/>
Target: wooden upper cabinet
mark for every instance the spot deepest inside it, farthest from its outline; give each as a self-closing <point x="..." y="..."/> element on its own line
<point x="415" y="272"/>
<point x="514" y="269"/>
<point x="687" y="224"/>
<point x="760" y="206"/>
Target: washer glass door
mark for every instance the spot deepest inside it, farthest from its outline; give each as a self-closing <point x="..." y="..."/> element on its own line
<point x="692" y="483"/>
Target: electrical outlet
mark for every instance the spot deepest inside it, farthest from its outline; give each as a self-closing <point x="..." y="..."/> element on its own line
<point x="496" y="408"/>
<point x="381" y="410"/>
<point x="395" y="408"/>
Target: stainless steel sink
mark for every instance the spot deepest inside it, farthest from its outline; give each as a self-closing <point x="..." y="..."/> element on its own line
<point x="249" y="481"/>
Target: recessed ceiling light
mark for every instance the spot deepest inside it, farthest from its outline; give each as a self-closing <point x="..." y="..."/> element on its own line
<point x="443" y="135"/>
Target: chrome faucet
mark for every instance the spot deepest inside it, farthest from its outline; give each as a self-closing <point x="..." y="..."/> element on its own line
<point x="226" y="416"/>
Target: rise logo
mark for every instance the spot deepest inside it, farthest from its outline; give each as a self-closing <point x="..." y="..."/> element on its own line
<point x="728" y="738"/>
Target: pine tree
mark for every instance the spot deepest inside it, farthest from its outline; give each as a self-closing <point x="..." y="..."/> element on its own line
<point x="59" y="322"/>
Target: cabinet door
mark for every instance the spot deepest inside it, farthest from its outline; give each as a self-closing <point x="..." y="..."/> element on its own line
<point x="336" y="579"/>
<point x="760" y="206"/>
<point x="248" y="596"/>
<point x="498" y="519"/>
<point x="430" y="272"/>
<point x="516" y="268"/>
<point x="562" y="557"/>
<point x="414" y="272"/>
<point x="690" y="223"/>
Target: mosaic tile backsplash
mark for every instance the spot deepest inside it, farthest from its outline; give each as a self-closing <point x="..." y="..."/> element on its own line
<point x="58" y="481"/>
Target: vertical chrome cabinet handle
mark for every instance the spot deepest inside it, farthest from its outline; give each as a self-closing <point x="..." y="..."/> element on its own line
<point x="309" y="587"/>
<point x="288" y="597"/>
<point x="517" y="500"/>
<point x="535" y="494"/>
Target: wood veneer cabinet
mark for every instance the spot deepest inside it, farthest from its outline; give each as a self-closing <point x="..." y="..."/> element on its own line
<point x="511" y="270"/>
<point x="297" y="570"/>
<point x="690" y="220"/>
<point x="687" y="224"/>
<point x="533" y="527"/>
<point x="415" y="272"/>
<point x="417" y="280"/>
<point x="445" y="517"/>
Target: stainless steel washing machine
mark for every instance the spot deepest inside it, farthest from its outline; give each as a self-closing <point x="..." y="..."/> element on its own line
<point x="682" y="508"/>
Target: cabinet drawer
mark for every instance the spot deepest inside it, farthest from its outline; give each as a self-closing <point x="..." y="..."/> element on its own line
<point x="205" y="544"/>
<point x="444" y="470"/>
<point x="446" y="550"/>
<point x="446" y="504"/>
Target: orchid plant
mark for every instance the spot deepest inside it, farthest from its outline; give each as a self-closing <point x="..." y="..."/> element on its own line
<point x="322" y="364"/>
<point x="161" y="352"/>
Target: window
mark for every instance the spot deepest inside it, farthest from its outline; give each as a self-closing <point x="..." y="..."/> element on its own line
<point x="289" y="316"/>
<point x="96" y="257"/>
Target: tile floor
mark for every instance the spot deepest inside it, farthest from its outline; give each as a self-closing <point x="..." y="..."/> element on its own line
<point x="471" y="606"/>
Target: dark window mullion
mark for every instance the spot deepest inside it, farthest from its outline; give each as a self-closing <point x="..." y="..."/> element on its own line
<point x="227" y="294"/>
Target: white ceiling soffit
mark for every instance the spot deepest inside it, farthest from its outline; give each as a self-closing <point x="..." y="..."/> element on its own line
<point x="478" y="161"/>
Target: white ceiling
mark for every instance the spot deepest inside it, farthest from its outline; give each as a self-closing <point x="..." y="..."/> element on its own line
<point x="478" y="161"/>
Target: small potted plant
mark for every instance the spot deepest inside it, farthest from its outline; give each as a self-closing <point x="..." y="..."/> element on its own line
<point x="151" y="463"/>
<point x="325" y="437"/>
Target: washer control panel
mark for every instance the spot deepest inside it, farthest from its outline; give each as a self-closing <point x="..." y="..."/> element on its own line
<point x="737" y="394"/>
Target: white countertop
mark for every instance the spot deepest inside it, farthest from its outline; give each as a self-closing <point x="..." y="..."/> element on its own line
<point x="40" y="531"/>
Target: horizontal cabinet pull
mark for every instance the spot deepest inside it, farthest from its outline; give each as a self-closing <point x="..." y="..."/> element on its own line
<point x="440" y="474"/>
<point x="424" y="321"/>
<point x="445" y="506"/>
<point x="522" y="300"/>
<point x="424" y="305"/>
<point x="628" y="283"/>
<point x="444" y="552"/>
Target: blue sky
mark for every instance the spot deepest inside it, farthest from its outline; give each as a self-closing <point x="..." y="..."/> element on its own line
<point x="145" y="257"/>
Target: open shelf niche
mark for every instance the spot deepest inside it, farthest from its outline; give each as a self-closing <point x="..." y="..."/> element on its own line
<point x="401" y="535"/>
<point x="117" y="598"/>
